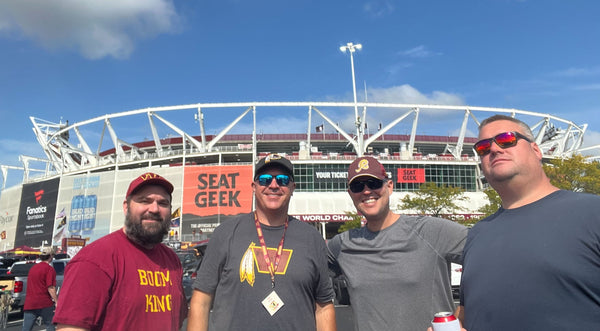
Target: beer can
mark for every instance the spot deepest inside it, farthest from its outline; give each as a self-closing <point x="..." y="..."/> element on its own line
<point x="445" y="321"/>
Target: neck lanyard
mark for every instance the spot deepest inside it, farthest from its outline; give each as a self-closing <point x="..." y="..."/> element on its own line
<point x="261" y="239"/>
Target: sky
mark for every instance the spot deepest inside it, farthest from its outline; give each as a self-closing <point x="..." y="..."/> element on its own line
<point x="75" y="60"/>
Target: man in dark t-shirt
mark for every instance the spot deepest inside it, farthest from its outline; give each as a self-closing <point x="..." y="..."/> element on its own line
<point x="534" y="264"/>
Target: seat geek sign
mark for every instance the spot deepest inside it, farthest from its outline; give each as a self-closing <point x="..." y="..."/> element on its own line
<point x="411" y="175"/>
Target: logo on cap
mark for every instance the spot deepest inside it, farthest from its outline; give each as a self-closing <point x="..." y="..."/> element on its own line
<point x="271" y="157"/>
<point x="362" y="165"/>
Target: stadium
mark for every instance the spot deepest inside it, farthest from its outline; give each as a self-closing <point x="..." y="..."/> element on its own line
<point x="208" y="152"/>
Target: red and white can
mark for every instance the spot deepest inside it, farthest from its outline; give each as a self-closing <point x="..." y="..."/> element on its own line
<point x="445" y="321"/>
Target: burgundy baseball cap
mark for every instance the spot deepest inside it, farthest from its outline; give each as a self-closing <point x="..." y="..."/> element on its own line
<point x="366" y="166"/>
<point x="146" y="179"/>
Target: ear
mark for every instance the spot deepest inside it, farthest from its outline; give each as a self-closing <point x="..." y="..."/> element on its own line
<point x="125" y="207"/>
<point x="390" y="185"/>
<point x="537" y="151"/>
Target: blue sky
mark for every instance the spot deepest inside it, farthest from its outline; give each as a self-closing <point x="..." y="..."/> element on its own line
<point x="75" y="60"/>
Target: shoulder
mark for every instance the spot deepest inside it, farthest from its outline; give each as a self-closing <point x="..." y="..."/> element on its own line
<point x="303" y="227"/>
<point x="422" y="224"/>
<point x="105" y="246"/>
<point x="577" y="196"/>
<point x="231" y="223"/>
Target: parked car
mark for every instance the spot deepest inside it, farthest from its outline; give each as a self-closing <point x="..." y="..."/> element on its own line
<point x="340" y="287"/>
<point x="190" y="272"/>
<point x="456" y="274"/>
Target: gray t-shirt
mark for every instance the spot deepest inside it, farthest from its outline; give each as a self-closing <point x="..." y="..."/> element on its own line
<point x="399" y="277"/>
<point x="234" y="270"/>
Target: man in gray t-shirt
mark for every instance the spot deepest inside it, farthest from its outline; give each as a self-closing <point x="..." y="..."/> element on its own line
<point x="265" y="270"/>
<point x="397" y="267"/>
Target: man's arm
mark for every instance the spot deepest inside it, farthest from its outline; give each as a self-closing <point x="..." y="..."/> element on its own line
<point x="52" y="292"/>
<point x="199" y="311"/>
<point x="460" y="314"/>
<point x="325" y="316"/>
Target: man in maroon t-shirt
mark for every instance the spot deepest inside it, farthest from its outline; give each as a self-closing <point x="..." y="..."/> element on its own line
<point x="41" y="292"/>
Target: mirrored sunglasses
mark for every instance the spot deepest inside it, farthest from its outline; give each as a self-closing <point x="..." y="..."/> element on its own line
<point x="372" y="183"/>
<point x="504" y="140"/>
<point x="266" y="179"/>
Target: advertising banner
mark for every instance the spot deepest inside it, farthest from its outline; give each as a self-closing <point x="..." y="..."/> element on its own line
<point x="9" y="213"/>
<point x="84" y="207"/>
<point x="36" y="213"/>
<point x="330" y="175"/>
<point x="411" y="175"/>
<point x="324" y="218"/>
<point x="210" y="193"/>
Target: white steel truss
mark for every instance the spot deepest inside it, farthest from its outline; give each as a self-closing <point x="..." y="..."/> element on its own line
<point x="67" y="153"/>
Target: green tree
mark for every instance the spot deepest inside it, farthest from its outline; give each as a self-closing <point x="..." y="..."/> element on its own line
<point x="574" y="174"/>
<point x="432" y="199"/>
<point x="353" y="223"/>
<point x="494" y="203"/>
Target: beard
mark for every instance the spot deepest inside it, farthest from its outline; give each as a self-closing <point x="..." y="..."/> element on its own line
<point x="149" y="233"/>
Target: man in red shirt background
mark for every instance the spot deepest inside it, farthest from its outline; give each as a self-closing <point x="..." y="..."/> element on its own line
<point x="41" y="292"/>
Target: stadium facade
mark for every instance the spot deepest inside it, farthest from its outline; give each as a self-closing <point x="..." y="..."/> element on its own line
<point x="208" y="152"/>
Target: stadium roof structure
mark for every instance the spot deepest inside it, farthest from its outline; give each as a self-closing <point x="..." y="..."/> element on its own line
<point x="163" y="135"/>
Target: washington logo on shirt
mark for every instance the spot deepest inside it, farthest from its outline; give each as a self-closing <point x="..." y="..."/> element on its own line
<point x="254" y="256"/>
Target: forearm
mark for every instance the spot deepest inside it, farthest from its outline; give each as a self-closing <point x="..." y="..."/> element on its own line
<point x="460" y="314"/>
<point x="52" y="292"/>
<point x="325" y="316"/>
<point x="199" y="311"/>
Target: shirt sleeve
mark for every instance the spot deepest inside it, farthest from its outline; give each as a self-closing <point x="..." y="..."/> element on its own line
<point x="447" y="237"/>
<point x="83" y="296"/>
<point x="333" y="251"/>
<point x="51" y="277"/>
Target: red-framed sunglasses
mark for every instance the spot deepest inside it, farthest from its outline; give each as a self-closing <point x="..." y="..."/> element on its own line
<point x="504" y="140"/>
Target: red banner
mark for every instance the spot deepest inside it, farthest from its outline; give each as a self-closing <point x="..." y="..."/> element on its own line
<point x="411" y="175"/>
<point x="218" y="190"/>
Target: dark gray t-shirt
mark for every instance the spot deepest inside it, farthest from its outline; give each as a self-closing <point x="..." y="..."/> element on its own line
<point x="536" y="267"/>
<point x="234" y="270"/>
<point x="399" y="277"/>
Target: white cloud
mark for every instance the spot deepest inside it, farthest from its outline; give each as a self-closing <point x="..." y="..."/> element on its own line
<point x="578" y="72"/>
<point x="12" y="149"/>
<point x="408" y="94"/>
<point x="588" y="87"/>
<point x="96" y="29"/>
<point x="378" y="8"/>
<point x="418" y="52"/>
<point x="591" y="138"/>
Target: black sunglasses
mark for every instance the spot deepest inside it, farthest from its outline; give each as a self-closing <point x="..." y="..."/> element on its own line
<point x="359" y="186"/>
<point x="504" y="140"/>
<point x="266" y="179"/>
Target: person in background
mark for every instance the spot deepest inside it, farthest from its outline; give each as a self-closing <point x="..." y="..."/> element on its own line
<point x="397" y="267"/>
<point x="264" y="270"/>
<point x="534" y="264"/>
<point x="127" y="280"/>
<point x="40" y="297"/>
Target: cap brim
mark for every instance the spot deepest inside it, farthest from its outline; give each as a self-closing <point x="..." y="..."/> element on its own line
<point x="363" y="175"/>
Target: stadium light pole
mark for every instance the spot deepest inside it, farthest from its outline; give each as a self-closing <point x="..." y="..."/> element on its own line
<point x="350" y="47"/>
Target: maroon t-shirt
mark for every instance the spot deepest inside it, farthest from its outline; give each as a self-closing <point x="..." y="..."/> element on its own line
<point x="40" y="277"/>
<point x="115" y="284"/>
